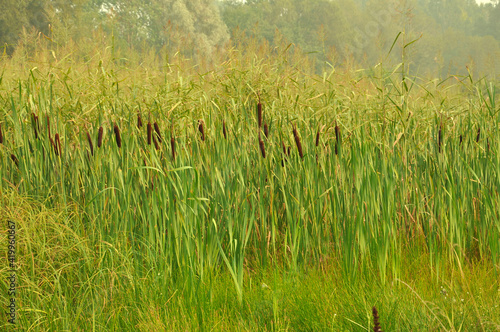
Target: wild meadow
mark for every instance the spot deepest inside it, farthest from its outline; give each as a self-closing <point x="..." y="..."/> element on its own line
<point x="246" y="192"/>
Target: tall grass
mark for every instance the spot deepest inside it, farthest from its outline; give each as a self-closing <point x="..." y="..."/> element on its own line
<point x="378" y="186"/>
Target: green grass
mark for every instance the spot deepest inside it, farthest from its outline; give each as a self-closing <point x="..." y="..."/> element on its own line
<point x="393" y="214"/>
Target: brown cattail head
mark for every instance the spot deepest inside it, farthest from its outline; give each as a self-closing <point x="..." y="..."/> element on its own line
<point x="224" y="129"/>
<point x="58" y="144"/>
<point x="1" y="135"/>
<point x="440" y="137"/>
<point x="201" y="128"/>
<point x="317" y="137"/>
<point x="266" y="130"/>
<point x="461" y="138"/>
<point x="117" y="136"/>
<point x="157" y="146"/>
<point x="297" y="142"/>
<point x="139" y="120"/>
<point x="35" y="125"/>
<point x="337" y="138"/>
<point x="14" y="159"/>
<point x="99" y="137"/>
<point x="262" y="147"/>
<point x="150" y="132"/>
<point x="478" y="134"/>
<point x="172" y="145"/>
<point x="376" y="323"/>
<point x="157" y="130"/>
<point x="53" y="145"/>
<point x="288" y="150"/>
<point x="284" y="147"/>
<point x="259" y="113"/>
<point x="89" y="139"/>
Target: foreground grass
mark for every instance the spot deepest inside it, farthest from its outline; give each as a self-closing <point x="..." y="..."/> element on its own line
<point x="69" y="281"/>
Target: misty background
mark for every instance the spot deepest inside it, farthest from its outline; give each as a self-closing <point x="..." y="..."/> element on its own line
<point x="435" y="38"/>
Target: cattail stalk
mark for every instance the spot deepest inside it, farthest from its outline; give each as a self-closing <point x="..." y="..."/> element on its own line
<point x="172" y="145"/>
<point x="99" y="137"/>
<point x="224" y="129"/>
<point x="1" y="136"/>
<point x="157" y="146"/>
<point x="35" y="125"/>
<point x="297" y="142"/>
<point x="201" y="128"/>
<point x="376" y="323"/>
<point x="14" y="159"/>
<point x="440" y="137"/>
<point x="317" y="137"/>
<point x="89" y="139"/>
<point x="150" y="131"/>
<point x="48" y="126"/>
<point x="266" y="130"/>
<point x="478" y="134"/>
<point x="262" y="147"/>
<point x="58" y="144"/>
<point x="117" y="136"/>
<point x="461" y="138"/>
<point x="259" y="113"/>
<point x="53" y="145"/>
<point x="139" y="120"/>
<point x="157" y="129"/>
<point x="337" y="139"/>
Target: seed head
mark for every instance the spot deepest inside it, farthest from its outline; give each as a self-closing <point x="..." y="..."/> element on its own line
<point x="157" y="129"/>
<point x="139" y="120"/>
<point x="14" y="159"/>
<point x="54" y="146"/>
<point x="58" y="143"/>
<point x="35" y="125"/>
<point x="90" y="143"/>
<point x="337" y="138"/>
<point x="262" y="147"/>
<point x="440" y="137"/>
<point x="224" y="129"/>
<point x="157" y="146"/>
<point x="99" y="137"/>
<point x="259" y="113"/>
<point x="297" y="142"/>
<point x="376" y="323"/>
<point x="150" y="131"/>
<point x="317" y="137"/>
<point x="117" y="136"/>
<point x="1" y="136"/>
<point x="266" y="130"/>
<point x="478" y="134"/>
<point x="201" y="128"/>
<point x="172" y="145"/>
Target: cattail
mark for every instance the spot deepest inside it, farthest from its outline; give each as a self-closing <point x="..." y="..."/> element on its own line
<point x="139" y="120"/>
<point x="201" y="128"/>
<point x="90" y="142"/>
<point x="487" y="145"/>
<point x="48" y="125"/>
<point x="259" y="113"/>
<point x="14" y="159"/>
<point x="440" y="137"/>
<point x="157" y="146"/>
<point x="53" y="145"/>
<point x="1" y="136"/>
<point x="99" y="137"/>
<point x="157" y="129"/>
<point x="224" y="129"/>
<point x="461" y="138"/>
<point x="376" y="323"/>
<point x="117" y="136"/>
<point x="317" y="137"/>
<point x="478" y="134"/>
<point x="289" y="150"/>
<point x="266" y="130"/>
<point x="337" y="138"/>
<point x="58" y="143"/>
<point x="35" y="125"/>
<point x="284" y="154"/>
<point x="150" y="130"/>
<point x="262" y="148"/>
<point x="172" y="145"/>
<point x="297" y="141"/>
